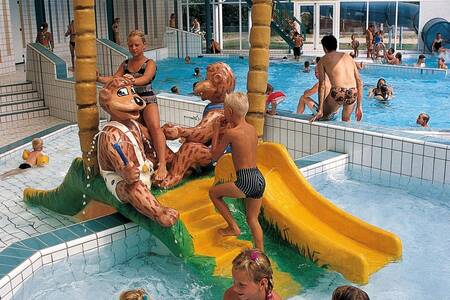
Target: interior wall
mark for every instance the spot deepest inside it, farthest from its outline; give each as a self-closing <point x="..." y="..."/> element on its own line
<point x="132" y="15"/>
<point x="7" y="64"/>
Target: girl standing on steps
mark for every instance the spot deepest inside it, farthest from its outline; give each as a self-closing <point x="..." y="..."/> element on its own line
<point x="141" y="71"/>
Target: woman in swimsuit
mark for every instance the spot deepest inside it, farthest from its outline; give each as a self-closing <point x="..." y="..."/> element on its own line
<point x="437" y="43"/>
<point x="382" y="91"/>
<point x="45" y="37"/>
<point x="141" y="71"/>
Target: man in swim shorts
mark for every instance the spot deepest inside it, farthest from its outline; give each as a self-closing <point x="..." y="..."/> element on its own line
<point x="346" y="84"/>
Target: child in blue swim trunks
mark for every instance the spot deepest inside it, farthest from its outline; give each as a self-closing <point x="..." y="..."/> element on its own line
<point x="250" y="183"/>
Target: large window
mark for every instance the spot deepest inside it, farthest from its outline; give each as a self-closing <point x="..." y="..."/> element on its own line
<point x="353" y="21"/>
<point x="382" y="16"/>
<point x="230" y="17"/>
<point x="307" y="20"/>
<point x="408" y="26"/>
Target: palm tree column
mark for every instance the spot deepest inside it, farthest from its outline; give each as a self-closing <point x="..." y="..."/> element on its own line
<point x="259" y="63"/>
<point x="85" y="86"/>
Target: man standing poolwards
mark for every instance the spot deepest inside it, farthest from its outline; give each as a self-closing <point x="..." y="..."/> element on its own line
<point x="346" y="84"/>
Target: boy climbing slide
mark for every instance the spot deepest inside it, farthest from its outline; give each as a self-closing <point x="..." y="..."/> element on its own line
<point x="250" y="183"/>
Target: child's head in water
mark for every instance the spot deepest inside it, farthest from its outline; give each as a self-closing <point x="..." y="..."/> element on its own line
<point x="423" y="119"/>
<point x="136" y="43"/>
<point x="235" y="105"/>
<point x="347" y="292"/>
<point x="197" y="72"/>
<point x="174" y="89"/>
<point x="252" y="275"/>
<point x="138" y="294"/>
<point x="306" y="66"/>
<point x="38" y="144"/>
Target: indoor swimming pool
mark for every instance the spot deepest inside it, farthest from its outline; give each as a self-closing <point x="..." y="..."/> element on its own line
<point x="417" y="211"/>
<point x="413" y="92"/>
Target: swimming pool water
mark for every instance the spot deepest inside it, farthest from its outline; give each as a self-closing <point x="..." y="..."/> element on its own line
<point x="418" y="213"/>
<point x="430" y="60"/>
<point x="413" y="94"/>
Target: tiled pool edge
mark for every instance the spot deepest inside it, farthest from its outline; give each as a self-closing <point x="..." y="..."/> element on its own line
<point x="56" y="245"/>
<point x="401" y="155"/>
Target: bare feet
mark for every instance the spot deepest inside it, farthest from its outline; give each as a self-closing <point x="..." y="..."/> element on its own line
<point x="160" y="173"/>
<point x="166" y="219"/>
<point x="170" y="181"/>
<point x="229" y="231"/>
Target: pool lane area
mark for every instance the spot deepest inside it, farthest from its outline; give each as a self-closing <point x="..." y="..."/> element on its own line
<point x="415" y="90"/>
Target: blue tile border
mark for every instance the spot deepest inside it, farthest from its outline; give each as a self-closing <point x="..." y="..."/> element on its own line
<point x="21" y="259"/>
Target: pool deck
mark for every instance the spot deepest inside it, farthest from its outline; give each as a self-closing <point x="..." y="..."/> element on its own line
<point x="19" y="221"/>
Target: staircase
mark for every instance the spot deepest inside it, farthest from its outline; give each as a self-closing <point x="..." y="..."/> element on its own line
<point x="280" y="23"/>
<point x="19" y="101"/>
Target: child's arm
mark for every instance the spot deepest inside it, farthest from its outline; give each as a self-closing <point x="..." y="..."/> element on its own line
<point x="313" y="90"/>
<point x="219" y="146"/>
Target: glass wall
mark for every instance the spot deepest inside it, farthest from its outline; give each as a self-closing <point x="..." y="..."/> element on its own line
<point x="408" y="26"/>
<point x="399" y="21"/>
<point x="307" y="20"/>
<point x="230" y="19"/>
<point x="353" y="21"/>
<point x="382" y="16"/>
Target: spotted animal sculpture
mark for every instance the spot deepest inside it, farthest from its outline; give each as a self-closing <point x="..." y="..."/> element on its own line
<point x="122" y="161"/>
<point x="219" y="81"/>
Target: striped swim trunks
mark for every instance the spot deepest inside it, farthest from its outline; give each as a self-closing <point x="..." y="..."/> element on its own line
<point x="251" y="182"/>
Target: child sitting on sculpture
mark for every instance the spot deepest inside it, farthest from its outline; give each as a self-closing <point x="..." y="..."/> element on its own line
<point x="250" y="183"/>
<point x="252" y="277"/>
<point x="33" y="158"/>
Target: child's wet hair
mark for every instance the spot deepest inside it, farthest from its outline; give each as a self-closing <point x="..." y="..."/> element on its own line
<point x="425" y="117"/>
<point x="269" y="88"/>
<point x="37" y="143"/>
<point x="139" y="294"/>
<point x="137" y="33"/>
<point x="348" y="292"/>
<point x="238" y="102"/>
<point x="306" y="64"/>
<point x="256" y="264"/>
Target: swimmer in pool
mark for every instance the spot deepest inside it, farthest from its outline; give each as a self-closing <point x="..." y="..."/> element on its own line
<point x="423" y="120"/>
<point x="382" y="91"/>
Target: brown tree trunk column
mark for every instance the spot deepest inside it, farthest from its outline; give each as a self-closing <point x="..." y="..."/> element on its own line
<point x="85" y="86"/>
<point x="258" y="63"/>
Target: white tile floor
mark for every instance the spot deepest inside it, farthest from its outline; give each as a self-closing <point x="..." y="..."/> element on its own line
<point x="13" y="131"/>
<point x="19" y="221"/>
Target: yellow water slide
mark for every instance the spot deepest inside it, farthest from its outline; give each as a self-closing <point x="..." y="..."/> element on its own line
<point x="308" y="220"/>
<point x="202" y="222"/>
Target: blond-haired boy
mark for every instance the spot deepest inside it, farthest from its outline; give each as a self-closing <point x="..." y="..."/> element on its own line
<point x="250" y="183"/>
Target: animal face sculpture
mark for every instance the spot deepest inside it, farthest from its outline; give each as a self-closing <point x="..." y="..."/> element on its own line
<point x="119" y="99"/>
<point x="219" y="81"/>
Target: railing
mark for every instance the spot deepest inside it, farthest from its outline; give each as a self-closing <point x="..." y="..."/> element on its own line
<point x="182" y="43"/>
<point x="280" y="22"/>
